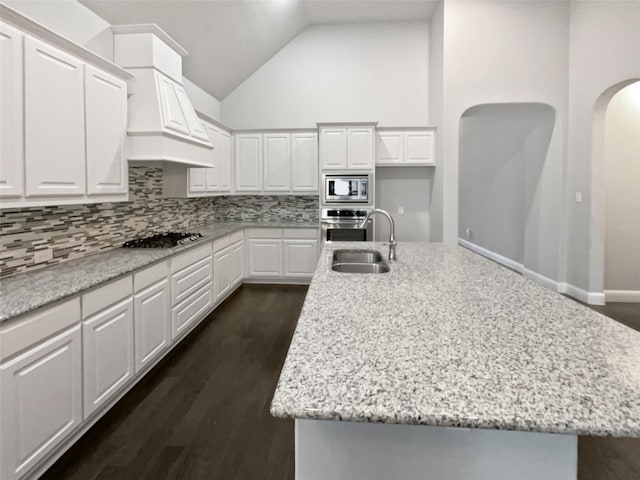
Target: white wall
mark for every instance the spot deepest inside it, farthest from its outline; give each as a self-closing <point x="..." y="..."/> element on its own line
<point x="622" y="174"/>
<point x="81" y="25"/>
<point x="70" y="19"/>
<point x="507" y="52"/>
<point x="409" y="188"/>
<point x="604" y="51"/>
<point x="344" y="73"/>
<point x="201" y="100"/>
<point x="436" y="117"/>
<point x="503" y="148"/>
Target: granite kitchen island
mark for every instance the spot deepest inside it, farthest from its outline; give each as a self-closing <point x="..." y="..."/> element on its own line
<point x="450" y="367"/>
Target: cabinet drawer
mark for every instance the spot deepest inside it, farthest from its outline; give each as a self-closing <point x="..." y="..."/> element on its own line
<point x="102" y="297"/>
<point x="150" y="275"/>
<point x="293" y="233"/>
<point x="41" y="399"/>
<point x="24" y="332"/>
<point x="190" y="279"/>
<point x="264" y="233"/>
<point x="221" y="243"/>
<point x="187" y="313"/>
<point x="190" y="257"/>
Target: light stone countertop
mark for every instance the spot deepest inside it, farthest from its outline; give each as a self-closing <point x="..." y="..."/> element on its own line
<point x="449" y="338"/>
<point x="25" y="292"/>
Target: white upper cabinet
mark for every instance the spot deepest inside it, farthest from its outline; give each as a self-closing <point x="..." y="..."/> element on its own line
<point x="63" y="119"/>
<point x="248" y="162"/>
<point x="390" y="147"/>
<point x="54" y="121"/>
<point x="224" y="170"/>
<point x="212" y="179"/>
<point x="419" y="147"/>
<point x="304" y="162"/>
<point x="360" y="148"/>
<point x="347" y="147"/>
<point x="202" y="182"/>
<point x="411" y="147"/>
<point x="11" y="113"/>
<point x="333" y="148"/>
<point x="106" y="123"/>
<point x="277" y="162"/>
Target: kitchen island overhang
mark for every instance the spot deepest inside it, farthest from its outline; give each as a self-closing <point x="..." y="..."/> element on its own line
<point x="455" y="343"/>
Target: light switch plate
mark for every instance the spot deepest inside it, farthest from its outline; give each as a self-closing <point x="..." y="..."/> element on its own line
<point x="578" y="197"/>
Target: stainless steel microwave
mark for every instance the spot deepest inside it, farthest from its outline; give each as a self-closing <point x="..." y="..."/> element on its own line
<point x="345" y="188"/>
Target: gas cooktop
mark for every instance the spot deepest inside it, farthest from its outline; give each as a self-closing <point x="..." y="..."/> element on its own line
<point x="163" y="240"/>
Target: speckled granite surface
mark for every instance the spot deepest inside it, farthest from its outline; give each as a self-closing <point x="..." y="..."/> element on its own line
<point x="449" y="338"/>
<point x="24" y="293"/>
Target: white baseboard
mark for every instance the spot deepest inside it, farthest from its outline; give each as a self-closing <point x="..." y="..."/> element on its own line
<point x="625" y="296"/>
<point x="496" y="257"/>
<point x="541" y="279"/>
<point x="591" y="298"/>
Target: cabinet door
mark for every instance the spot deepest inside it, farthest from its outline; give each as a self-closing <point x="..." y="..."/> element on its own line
<point x="107" y="341"/>
<point x="221" y="273"/>
<point x="277" y="162"/>
<point x="237" y="263"/>
<point x="41" y="399"/>
<point x="106" y="125"/>
<point x="300" y="258"/>
<point x="54" y="121"/>
<point x="11" y="113"/>
<point x="265" y="257"/>
<point x="224" y="169"/>
<point x="249" y="162"/>
<point x="194" y="124"/>
<point x="360" y="148"/>
<point x="304" y="162"/>
<point x="333" y="148"/>
<point x="152" y="323"/>
<point x="172" y="115"/>
<point x="419" y="147"/>
<point x="389" y="147"/>
<point x="197" y="180"/>
<point x="212" y="179"/>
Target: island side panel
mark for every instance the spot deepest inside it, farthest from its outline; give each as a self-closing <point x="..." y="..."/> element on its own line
<point x="368" y="451"/>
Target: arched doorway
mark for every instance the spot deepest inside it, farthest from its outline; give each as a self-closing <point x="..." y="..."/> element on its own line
<point x="605" y="168"/>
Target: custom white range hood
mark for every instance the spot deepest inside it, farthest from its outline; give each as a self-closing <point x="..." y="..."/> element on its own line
<point x="163" y="125"/>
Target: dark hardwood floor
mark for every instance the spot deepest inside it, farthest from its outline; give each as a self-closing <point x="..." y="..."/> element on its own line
<point x="604" y="458"/>
<point x="203" y="413"/>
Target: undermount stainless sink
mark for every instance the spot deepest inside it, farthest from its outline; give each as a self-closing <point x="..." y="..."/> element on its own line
<point x="359" y="261"/>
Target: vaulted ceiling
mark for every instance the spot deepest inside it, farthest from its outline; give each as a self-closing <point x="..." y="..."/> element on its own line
<point x="228" y="40"/>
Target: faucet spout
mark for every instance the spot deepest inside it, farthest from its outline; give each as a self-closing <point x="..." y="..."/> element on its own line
<point x="392" y="230"/>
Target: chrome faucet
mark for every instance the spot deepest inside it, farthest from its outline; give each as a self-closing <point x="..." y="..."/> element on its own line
<point x="392" y="230"/>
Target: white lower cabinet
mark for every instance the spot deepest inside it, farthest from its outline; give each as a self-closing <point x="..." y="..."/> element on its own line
<point x="152" y="314"/>
<point x="265" y="257"/>
<point x="107" y="338"/>
<point x="185" y="315"/>
<point x="277" y="253"/>
<point x="222" y="273"/>
<point x="300" y="257"/>
<point x="237" y="263"/>
<point x="228" y="264"/>
<point x="41" y="398"/>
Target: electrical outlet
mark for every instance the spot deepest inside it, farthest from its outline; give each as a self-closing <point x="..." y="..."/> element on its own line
<point x="578" y="197"/>
<point x="400" y="210"/>
<point x="42" y="256"/>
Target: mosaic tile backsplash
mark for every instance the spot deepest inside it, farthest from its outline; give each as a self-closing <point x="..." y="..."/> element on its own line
<point x="61" y="233"/>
